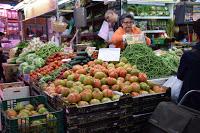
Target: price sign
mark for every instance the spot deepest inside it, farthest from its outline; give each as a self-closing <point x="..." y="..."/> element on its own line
<point x="109" y="54"/>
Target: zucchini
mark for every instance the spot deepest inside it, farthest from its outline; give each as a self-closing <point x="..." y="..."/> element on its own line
<point x="79" y="58"/>
<point x="85" y="61"/>
<point x="72" y="63"/>
<point x="82" y="53"/>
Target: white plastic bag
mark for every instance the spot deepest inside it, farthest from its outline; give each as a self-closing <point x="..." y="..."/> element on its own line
<point x="175" y="84"/>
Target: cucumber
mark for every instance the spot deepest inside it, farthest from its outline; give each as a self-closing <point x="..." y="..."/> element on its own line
<point x="82" y="53"/>
<point x="79" y="58"/>
<point x="72" y="63"/>
<point x="85" y="61"/>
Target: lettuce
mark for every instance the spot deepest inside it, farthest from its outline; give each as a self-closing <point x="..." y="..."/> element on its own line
<point x="28" y="69"/>
<point x="38" y="62"/>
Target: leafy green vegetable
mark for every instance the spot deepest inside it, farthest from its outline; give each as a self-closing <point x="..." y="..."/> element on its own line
<point x="20" y="60"/>
<point x="22" y="65"/>
<point x="38" y="62"/>
<point x="145" y="59"/>
<point x="28" y="69"/>
<point x="48" y="50"/>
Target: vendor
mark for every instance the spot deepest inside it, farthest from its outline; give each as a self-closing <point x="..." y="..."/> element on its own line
<point x="127" y="28"/>
<point x="111" y="20"/>
<point x="1" y="58"/>
<point x="188" y="70"/>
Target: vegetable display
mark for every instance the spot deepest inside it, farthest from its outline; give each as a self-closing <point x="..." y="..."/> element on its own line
<point x="34" y="45"/>
<point x="146" y="10"/>
<point x="59" y="56"/>
<point x="171" y="60"/>
<point x="20" y="47"/>
<point x="145" y="59"/>
<point x="47" y="50"/>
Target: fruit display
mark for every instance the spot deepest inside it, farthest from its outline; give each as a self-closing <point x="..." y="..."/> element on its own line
<point x="59" y="56"/>
<point x="146" y="10"/>
<point x="147" y="61"/>
<point x="97" y="81"/>
<point x="47" y="69"/>
<point x="21" y="111"/>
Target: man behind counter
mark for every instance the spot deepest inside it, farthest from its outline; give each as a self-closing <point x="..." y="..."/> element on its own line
<point x="1" y="58"/>
<point x="127" y="28"/>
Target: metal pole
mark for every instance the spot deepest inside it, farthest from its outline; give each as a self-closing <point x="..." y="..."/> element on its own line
<point x="57" y="18"/>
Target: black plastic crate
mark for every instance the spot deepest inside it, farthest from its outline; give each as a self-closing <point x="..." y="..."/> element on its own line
<point x="95" y="117"/>
<point x="24" y="125"/>
<point x="109" y="125"/>
<point x="147" y="103"/>
<point x="131" y="129"/>
<point x="36" y="90"/>
<point x="73" y="109"/>
<point x="134" y="120"/>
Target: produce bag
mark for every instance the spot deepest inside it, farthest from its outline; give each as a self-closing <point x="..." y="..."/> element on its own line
<point x="175" y="84"/>
<point x="134" y="39"/>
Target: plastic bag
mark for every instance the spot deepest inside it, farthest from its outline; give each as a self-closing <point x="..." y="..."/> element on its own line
<point x="175" y="84"/>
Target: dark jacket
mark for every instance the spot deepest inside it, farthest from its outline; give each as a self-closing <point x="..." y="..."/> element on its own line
<point x="189" y="70"/>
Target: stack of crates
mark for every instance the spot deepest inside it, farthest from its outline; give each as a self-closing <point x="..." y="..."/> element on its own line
<point x="40" y="123"/>
<point x="128" y="115"/>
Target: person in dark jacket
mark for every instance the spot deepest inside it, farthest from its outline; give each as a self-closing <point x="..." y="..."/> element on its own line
<point x="189" y="68"/>
<point x="1" y="58"/>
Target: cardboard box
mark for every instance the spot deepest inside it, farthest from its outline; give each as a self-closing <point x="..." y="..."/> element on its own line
<point x="11" y="85"/>
<point x="13" y="93"/>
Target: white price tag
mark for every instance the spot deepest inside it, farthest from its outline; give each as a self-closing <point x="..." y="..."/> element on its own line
<point x="109" y="54"/>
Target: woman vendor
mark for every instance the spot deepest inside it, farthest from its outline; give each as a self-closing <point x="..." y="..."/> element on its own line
<point x="127" y="27"/>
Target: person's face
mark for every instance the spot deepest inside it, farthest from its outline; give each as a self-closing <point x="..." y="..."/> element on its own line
<point x="112" y="18"/>
<point x="127" y="24"/>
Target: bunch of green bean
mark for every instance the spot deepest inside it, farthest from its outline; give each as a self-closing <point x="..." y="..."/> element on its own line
<point x="145" y="59"/>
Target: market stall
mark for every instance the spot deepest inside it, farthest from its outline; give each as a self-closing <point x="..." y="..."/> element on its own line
<point x="77" y="85"/>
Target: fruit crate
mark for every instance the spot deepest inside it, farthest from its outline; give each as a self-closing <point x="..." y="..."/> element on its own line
<point x="95" y="117"/>
<point x="73" y="109"/>
<point x="36" y="90"/>
<point x="48" y="124"/>
<point x="108" y="125"/>
<point x="131" y="120"/>
<point x="147" y="103"/>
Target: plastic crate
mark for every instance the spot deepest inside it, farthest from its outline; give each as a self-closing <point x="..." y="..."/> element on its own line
<point x="23" y="125"/>
<point x="159" y="41"/>
<point x="97" y="127"/>
<point x="73" y="109"/>
<point x="134" y="120"/>
<point x="95" y="117"/>
<point x="147" y="103"/>
<point x="36" y="90"/>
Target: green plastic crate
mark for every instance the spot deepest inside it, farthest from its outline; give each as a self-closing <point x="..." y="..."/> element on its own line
<point x="24" y="125"/>
<point x="159" y="41"/>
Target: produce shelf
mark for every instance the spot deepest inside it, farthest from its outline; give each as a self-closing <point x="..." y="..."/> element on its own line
<point x="154" y="31"/>
<point x="152" y="17"/>
<point x="156" y="2"/>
